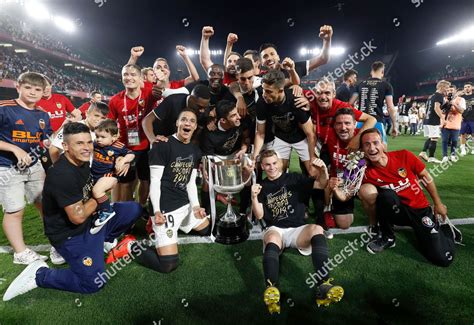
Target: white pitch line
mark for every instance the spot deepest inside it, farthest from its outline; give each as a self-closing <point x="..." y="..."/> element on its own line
<point x="256" y="234"/>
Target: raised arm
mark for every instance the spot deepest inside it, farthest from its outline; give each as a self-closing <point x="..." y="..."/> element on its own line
<point x="325" y="33"/>
<point x="135" y="53"/>
<point x="204" y="53"/>
<point x="231" y="39"/>
<point x="193" y="74"/>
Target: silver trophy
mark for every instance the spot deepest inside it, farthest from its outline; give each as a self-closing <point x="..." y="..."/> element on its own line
<point x="226" y="176"/>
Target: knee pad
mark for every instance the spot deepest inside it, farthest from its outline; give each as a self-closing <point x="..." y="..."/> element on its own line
<point x="168" y="263"/>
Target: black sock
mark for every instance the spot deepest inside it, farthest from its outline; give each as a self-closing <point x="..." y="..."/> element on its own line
<point x="149" y="258"/>
<point x="406" y="129"/>
<point x="426" y="145"/>
<point x="206" y="201"/>
<point x="432" y="148"/>
<point x="203" y="232"/>
<point x="271" y="263"/>
<point x="320" y="256"/>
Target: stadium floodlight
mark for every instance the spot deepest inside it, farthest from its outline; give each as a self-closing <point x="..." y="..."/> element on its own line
<point x="36" y="10"/>
<point x="337" y="50"/>
<point x="21" y="50"/>
<point x="68" y="64"/>
<point x="65" y="24"/>
<point x="463" y="36"/>
<point x="6" y="44"/>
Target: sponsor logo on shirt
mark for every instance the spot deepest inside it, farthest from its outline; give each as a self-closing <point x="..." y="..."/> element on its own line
<point x="402" y="185"/>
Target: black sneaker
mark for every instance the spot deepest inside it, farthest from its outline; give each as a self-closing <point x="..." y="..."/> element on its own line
<point x="379" y="244"/>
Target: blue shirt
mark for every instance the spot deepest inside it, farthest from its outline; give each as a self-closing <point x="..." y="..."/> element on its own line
<point x="103" y="163"/>
<point x="23" y="128"/>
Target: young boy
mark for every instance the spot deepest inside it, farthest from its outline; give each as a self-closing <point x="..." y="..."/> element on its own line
<point x="24" y="126"/>
<point x="111" y="159"/>
<point x="413" y="118"/>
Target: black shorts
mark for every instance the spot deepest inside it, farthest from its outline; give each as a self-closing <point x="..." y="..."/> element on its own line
<point x="339" y="207"/>
<point x="139" y="167"/>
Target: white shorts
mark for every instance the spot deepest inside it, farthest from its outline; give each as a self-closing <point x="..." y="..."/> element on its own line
<point x="289" y="237"/>
<point x="284" y="148"/>
<point x="432" y="131"/>
<point x="180" y="219"/>
<point x="16" y="184"/>
<point x="403" y="119"/>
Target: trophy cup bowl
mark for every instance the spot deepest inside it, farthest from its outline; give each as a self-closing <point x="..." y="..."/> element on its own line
<point x="231" y="226"/>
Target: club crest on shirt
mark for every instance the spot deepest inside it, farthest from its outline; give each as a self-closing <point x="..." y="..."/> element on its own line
<point x="402" y="172"/>
<point x="42" y="124"/>
<point x="141" y="102"/>
<point x="169" y="233"/>
<point x="58" y="105"/>
<point x="87" y="261"/>
<point x="110" y="153"/>
<point x="427" y="222"/>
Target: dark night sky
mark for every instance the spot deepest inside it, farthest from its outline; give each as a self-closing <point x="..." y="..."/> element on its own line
<point x="158" y="26"/>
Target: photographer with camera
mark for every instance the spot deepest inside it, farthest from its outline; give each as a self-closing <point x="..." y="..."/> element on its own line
<point x="452" y="110"/>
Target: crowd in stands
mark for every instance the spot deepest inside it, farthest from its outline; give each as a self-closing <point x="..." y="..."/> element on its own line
<point x="63" y="78"/>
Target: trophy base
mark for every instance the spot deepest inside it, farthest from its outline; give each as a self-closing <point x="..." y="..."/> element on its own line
<point x="229" y="233"/>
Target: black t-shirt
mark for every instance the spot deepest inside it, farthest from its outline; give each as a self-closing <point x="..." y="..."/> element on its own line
<point x="222" y="143"/>
<point x="250" y="120"/>
<point x="404" y="108"/>
<point x="431" y="117"/>
<point x="65" y="184"/>
<point x="224" y="92"/>
<point x="179" y="159"/>
<point x="300" y="68"/>
<point x="168" y="112"/>
<point x="344" y="92"/>
<point x="468" y="113"/>
<point x="283" y="199"/>
<point x="285" y="118"/>
<point x="372" y="93"/>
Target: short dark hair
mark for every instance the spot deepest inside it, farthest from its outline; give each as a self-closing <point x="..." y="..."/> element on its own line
<point x="265" y="46"/>
<point x="201" y="91"/>
<point x="468" y="83"/>
<point x="95" y="92"/>
<point x="372" y="130"/>
<point x="187" y="109"/>
<point x="244" y="65"/>
<point x="102" y="107"/>
<point x="253" y="53"/>
<point x="349" y="73"/>
<point x="224" y="107"/>
<point x="109" y="126"/>
<point x="377" y="65"/>
<point x="345" y="111"/>
<point x="274" y="77"/>
<point x="74" y="128"/>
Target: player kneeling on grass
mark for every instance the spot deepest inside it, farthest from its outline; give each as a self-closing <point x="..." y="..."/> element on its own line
<point x="68" y="209"/>
<point x="392" y="191"/>
<point x="279" y="201"/>
<point x="173" y="193"/>
<point x="111" y="159"/>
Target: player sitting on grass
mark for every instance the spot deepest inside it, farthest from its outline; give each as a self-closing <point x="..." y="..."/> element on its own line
<point x="111" y="159"/>
<point x="279" y="201"/>
<point x="392" y="192"/>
